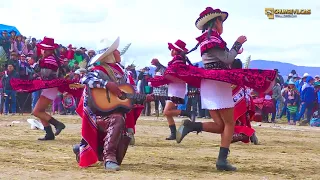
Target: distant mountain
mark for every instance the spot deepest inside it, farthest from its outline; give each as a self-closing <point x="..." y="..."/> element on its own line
<point x="284" y="68"/>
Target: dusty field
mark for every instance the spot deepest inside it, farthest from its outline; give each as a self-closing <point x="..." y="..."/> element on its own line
<point x="284" y="153"/>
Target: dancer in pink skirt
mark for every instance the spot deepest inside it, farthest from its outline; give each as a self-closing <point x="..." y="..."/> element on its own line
<point x="215" y="81"/>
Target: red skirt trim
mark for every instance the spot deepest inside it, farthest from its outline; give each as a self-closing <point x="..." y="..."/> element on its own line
<point x="260" y="80"/>
<point x="29" y="86"/>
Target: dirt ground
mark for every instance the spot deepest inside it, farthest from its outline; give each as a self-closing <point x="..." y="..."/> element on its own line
<point x="285" y="152"/>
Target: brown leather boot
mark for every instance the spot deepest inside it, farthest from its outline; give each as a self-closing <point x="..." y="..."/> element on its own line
<point x="122" y="148"/>
<point x="114" y="130"/>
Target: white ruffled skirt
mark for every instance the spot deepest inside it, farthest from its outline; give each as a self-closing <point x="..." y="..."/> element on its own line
<point x="177" y="89"/>
<point x="215" y="95"/>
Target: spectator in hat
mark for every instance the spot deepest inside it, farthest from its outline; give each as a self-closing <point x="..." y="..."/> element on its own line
<point x="14" y="60"/>
<point x="308" y="97"/>
<point x="316" y="78"/>
<point x="78" y="55"/>
<point x="280" y="77"/>
<point x="293" y="72"/>
<point x="5" y="43"/>
<point x="146" y="89"/>
<point x="91" y="54"/>
<point x="132" y="69"/>
<point x="302" y="82"/>
<point x="277" y="99"/>
<point x="84" y="54"/>
<point x="24" y="68"/>
<point x="295" y="77"/>
<point x="284" y="107"/>
<point x="290" y="75"/>
<point x="291" y="96"/>
<point x="296" y="80"/>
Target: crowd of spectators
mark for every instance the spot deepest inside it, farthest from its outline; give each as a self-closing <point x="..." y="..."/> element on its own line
<point x="297" y="98"/>
<point x="22" y="61"/>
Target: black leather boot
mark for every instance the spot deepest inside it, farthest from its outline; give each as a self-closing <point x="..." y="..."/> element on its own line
<point x="192" y="115"/>
<point x="58" y="125"/>
<point x="187" y="127"/>
<point x="222" y="163"/>
<point x="173" y="131"/>
<point x="76" y="151"/>
<point x="49" y="134"/>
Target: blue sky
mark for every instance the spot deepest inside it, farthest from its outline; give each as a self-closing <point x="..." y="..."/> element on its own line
<point x="149" y="25"/>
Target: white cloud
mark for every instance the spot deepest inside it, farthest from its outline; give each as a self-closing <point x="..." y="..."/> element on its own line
<point x="149" y="25"/>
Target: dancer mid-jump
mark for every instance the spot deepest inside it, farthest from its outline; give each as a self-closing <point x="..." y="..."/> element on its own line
<point x="177" y="89"/>
<point x="215" y="81"/>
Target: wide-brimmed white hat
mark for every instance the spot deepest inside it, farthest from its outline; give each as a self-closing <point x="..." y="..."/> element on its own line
<point x="208" y="14"/>
<point x="105" y="50"/>
<point x="35" y="124"/>
<point x="305" y="75"/>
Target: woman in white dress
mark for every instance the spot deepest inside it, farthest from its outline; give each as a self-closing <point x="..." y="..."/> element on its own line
<point x="176" y="89"/>
<point x="216" y="96"/>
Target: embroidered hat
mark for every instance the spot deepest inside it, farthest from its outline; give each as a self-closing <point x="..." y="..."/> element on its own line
<point x="179" y="46"/>
<point x="47" y="44"/>
<point x="208" y="14"/>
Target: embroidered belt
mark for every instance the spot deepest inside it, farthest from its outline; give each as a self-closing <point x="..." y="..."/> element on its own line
<point x="216" y="65"/>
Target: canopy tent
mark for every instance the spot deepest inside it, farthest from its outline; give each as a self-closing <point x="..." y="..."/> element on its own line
<point x="8" y="28"/>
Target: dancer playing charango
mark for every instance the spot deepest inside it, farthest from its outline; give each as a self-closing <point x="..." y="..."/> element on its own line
<point x="104" y="135"/>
